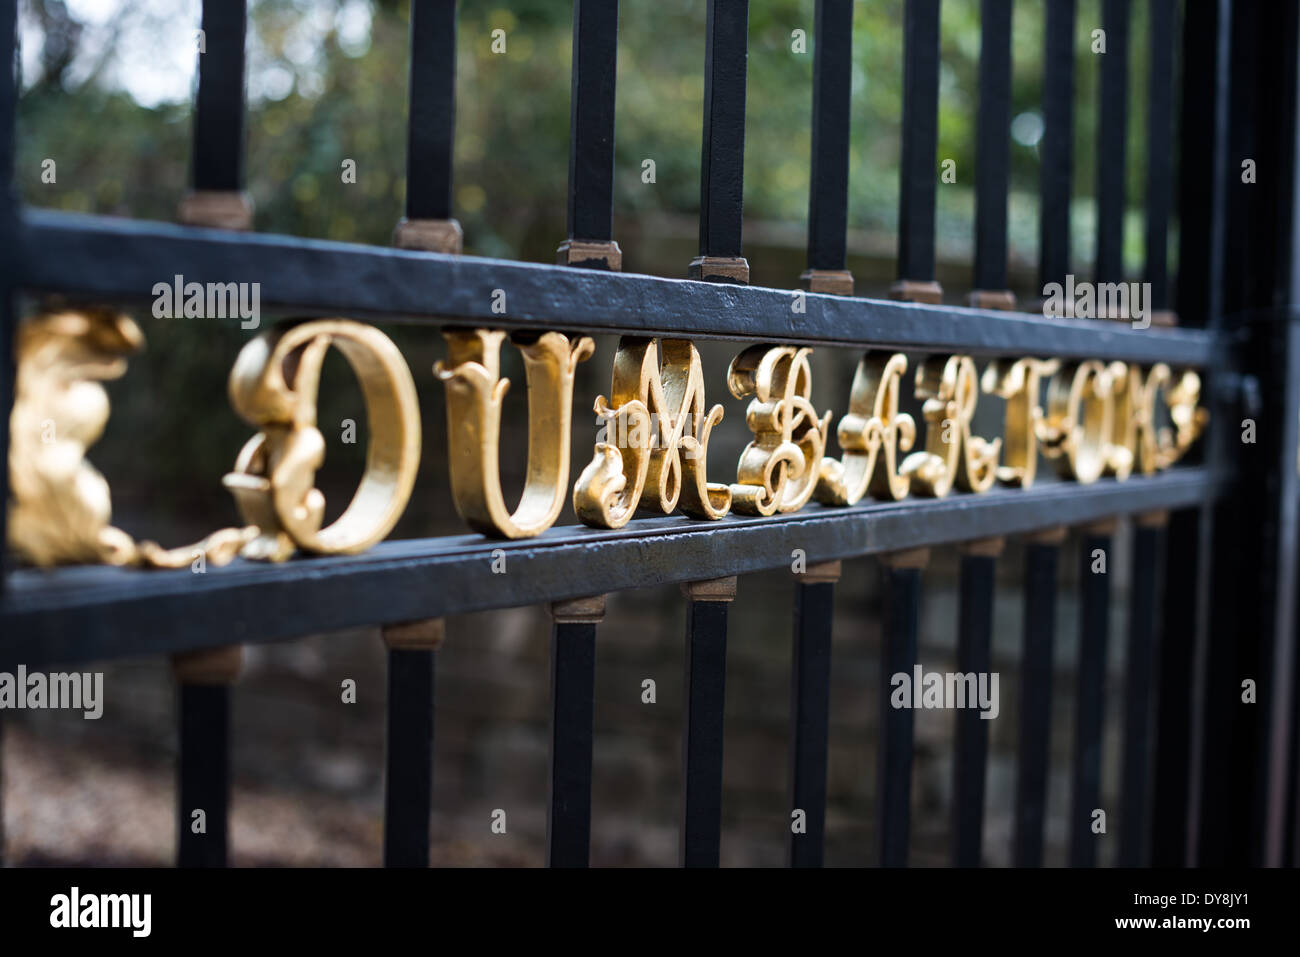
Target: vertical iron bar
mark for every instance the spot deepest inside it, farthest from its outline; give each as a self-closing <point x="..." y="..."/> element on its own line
<point x="1139" y="689"/>
<point x="408" y="775"/>
<point x="2" y="792"/>
<point x="1160" y="111"/>
<point x="204" y="774"/>
<point x="722" y="168"/>
<point x="10" y="241"/>
<point x="1202" y="204"/>
<point x="591" y="120"/>
<point x="1057" y="164"/>
<point x="705" y="684"/>
<point x="1112" y="139"/>
<point x="408" y="794"/>
<point x="810" y="694"/>
<point x="974" y="656"/>
<point x="218" y="162"/>
<point x="1042" y="558"/>
<point x="902" y="583"/>
<point x="573" y="683"/>
<point x="828" y="203"/>
<point x="993" y="146"/>
<point x="1179" y="622"/>
<point x="920" y="144"/>
<point x="431" y="120"/>
<point x="1094" y="628"/>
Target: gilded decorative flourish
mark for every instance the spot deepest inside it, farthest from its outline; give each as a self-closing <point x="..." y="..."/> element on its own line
<point x="1077" y="434"/>
<point x="475" y="392"/>
<point x="872" y="426"/>
<point x="60" y="505"/>
<point x="952" y="456"/>
<point x="1182" y="394"/>
<point x="779" y="469"/>
<point x="273" y="387"/>
<point x="1019" y="382"/>
<point x="655" y="436"/>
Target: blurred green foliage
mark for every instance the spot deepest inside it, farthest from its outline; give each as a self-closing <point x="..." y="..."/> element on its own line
<point x="347" y="100"/>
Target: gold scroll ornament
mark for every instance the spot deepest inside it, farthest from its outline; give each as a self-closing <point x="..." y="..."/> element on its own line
<point x="273" y="386"/>
<point x="1018" y="381"/>
<point x="653" y="453"/>
<point x="60" y="505"/>
<point x="871" y="435"/>
<point x="952" y="456"/>
<point x="475" y="392"/>
<point x="779" y="470"/>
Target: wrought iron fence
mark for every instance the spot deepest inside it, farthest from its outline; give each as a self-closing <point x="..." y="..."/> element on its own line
<point x="1137" y="409"/>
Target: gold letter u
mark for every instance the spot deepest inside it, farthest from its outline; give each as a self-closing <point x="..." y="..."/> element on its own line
<point x="475" y="391"/>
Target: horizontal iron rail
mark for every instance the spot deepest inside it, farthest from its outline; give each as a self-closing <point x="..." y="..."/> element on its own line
<point x="97" y="612"/>
<point x="122" y="259"/>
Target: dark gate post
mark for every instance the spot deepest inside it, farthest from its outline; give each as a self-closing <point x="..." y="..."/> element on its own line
<point x="1242" y="778"/>
<point x="1202" y="177"/>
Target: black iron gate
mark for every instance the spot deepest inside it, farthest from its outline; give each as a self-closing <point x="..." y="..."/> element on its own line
<point x="1206" y="779"/>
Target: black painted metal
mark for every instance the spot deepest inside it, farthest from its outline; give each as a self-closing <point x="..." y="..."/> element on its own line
<point x="120" y="259"/>
<point x="408" y="791"/>
<point x="828" y="204"/>
<point x="970" y="761"/>
<point x="902" y="610"/>
<point x="432" y="117"/>
<point x="1242" y="776"/>
<point x="1112" y="138"/>
<point x="705" y="684"/>
<point x="1057" y="166"/>
<point x="1161" y="30"/>
<point x="218" y="160"/>
<point x="993" y="145"/>
<point x="91" y="613"/>
<point x="1202" y="198"/>
<point x="810" y="696"/>
<point x="920" y="133"/>
<point x="8" y="98"/>
<point x="1139" y="700"/>
<point x="1041" y="566"/>
<point x="591" y="121"/>
<point x="1203" y="162"/>
<point x="9" y="241"/>
<point x="1095" y="565"/>
<point x="573" y="683"/>
<point x="203" y="774"/>
<point x="1179" y="620"/>
<point x="722" y="167"/>
<point x="2" y="792"/>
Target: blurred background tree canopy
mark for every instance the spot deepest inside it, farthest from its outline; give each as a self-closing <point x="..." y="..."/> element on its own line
<point x="107" y="86"/>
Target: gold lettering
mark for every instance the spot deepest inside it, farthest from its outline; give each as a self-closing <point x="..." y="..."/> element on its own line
<point x="1019" y="382"/>
<point x="873" y="425"/>
<point x="655" y="435"/>
<point x="1077" y="432"/>
<point x="778" y="471"/>
<point x="273" y="386"/>
<point x="952" y="455"/>
<point x="475" y="393"/>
